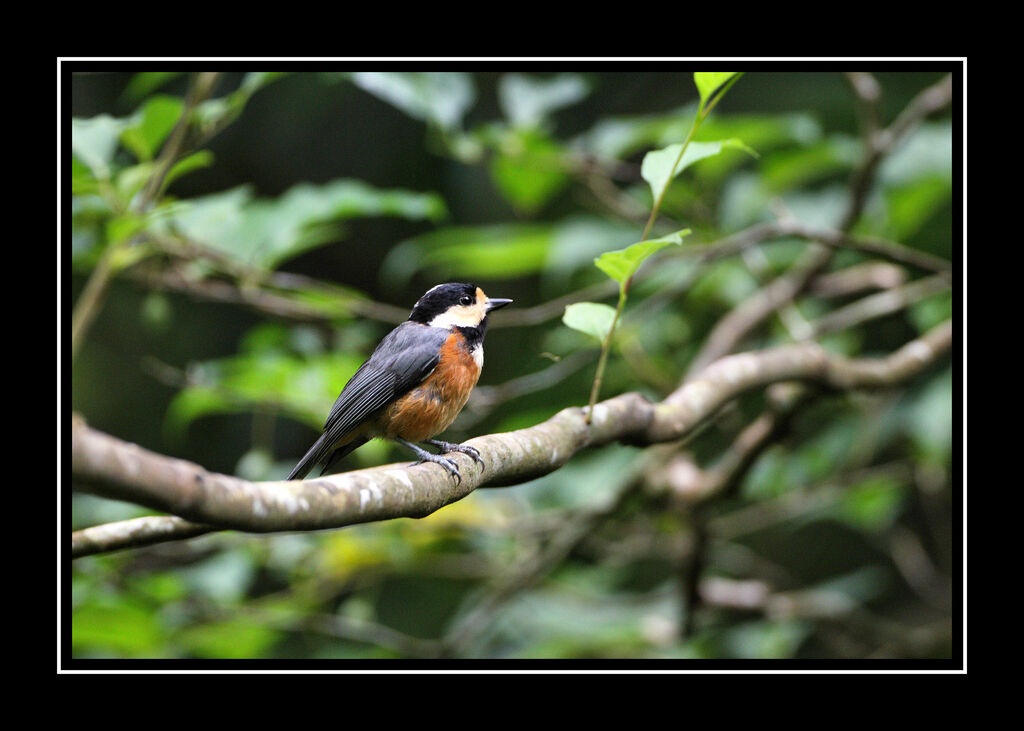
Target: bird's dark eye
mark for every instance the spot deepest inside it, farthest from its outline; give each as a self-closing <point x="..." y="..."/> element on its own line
<point x="465" y="300"/>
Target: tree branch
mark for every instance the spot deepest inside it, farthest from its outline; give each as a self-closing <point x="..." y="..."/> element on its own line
<point x="113" y="468"/>
<point x="134" y="533"/>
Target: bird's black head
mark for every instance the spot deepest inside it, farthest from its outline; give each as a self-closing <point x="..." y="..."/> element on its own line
<point x="455" y="305"/>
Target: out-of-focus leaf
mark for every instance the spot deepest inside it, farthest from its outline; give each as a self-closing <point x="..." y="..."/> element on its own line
<point x="743" y="202"/>
<point x="255" y="465"/>
<point x="930" y="312"/>
<point x="724" y="283"/>
<point x="145" y="83"/>
<point x="910" y="206"/>
<point x="587" y="621"/>
<point x="222" y="110"/>
<point x="818" y="206"/>
<point x="343" y="553"/>
<point x="119" y="627"/>
<point x="89" y="215"/>
<point x="928" y="153"/>
<point x="588" y="480"/>
<point x="773" y="473"/>
<point x="232" y="638"/>
<point x="792" y="167"/>
<point x="575" y="243"/>
<point x="130" y="180"/>
<point x="929" y="419"/>
<point x="501" y="251"/>
<point x="762" y="131"/>
<point x="266" y="375"/>
<point x="193" y="402"/>
<point x="592" y="318"/>
<point x="160" y="587"/>
<point x="120" y="229"/>
<point x="619" y="137"/>
<point x="224" y="577"/>
<point x="83" y="182"/>
<point x="94" y="142"/>
<point x="873" y="504"/>
<point x="184" y="166"/>
<point x="527" y="101"/>
<point x="661" y="166"/>
<point x="265" y="233"/>
<point x="622" y="264"/>
<point x="829" y="449"/>
<point x="528" y="168"/>
<point x="764" y="640"/>
<point x="442" y="98"/>
<point x="151" y="125"/>
<point x="156" y="311"/>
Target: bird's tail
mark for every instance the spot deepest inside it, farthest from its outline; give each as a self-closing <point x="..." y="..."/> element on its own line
<point x="319" y="451"/>
<point x="341" y="452"/>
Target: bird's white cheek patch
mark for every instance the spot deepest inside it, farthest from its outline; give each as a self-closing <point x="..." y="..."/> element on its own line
<point x="478" y="356"/>
<point x="468" y="316"/>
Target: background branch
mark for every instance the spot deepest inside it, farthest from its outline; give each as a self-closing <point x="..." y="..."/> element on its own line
<point x="113" y="468"/>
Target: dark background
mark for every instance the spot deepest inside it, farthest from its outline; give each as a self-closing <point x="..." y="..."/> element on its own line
<point x="300" y="129"/>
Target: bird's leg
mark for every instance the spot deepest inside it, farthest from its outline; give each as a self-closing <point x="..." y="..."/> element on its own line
<point x="452" y="447"/>
<point x="424" y="456"/>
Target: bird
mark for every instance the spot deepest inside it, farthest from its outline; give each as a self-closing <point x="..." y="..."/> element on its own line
<point x="414" y="383"/>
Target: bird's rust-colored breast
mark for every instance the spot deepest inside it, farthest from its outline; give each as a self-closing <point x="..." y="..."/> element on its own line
<point x="431" y="407"/>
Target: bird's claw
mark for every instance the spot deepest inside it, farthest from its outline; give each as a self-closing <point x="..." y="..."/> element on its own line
<point x="449" y="466"/>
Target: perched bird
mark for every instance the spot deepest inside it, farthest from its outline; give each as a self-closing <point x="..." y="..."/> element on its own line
<point x="414" y="384"/>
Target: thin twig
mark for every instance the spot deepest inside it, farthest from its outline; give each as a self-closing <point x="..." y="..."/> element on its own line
<point x="94" y="292"/>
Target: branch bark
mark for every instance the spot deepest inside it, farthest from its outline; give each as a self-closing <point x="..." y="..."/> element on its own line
<point x="107" y="466"/>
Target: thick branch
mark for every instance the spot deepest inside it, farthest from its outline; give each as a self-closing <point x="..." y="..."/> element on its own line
<point x="113" y="468"/>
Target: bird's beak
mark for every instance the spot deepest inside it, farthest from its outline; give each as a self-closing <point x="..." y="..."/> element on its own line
<point x="494" y="303"/>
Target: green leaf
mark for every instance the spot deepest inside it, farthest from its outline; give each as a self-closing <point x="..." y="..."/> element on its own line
<point x="708" y="82"/>
<point x="123" y="227"/>
<point x="928" y="419"/>
<point x="94" y="141"/>
<point x="909" y="207"/>
<point x="151" y="125"/>
<point x="529" y="169"/>
<point x="195" y="161"/>
<point x="131" y="180"/>
<point x="439" y="97"/>
<point x="622" y="264"/>
<point x="500" y="251"/>
<point x="120" y="628"/>
<point x="145" y="83"/>
<point x="527" y="101"/>
<point x="661" y="166"/>
<point x="792" y="168"/>
<point x="872" y="505"/>
<point x="592" y="318"/>
<point x="193" y="402"/>
<point x="82" y="180"/>
<point x="225" y="109"/>
<point x="231" y="638"/>
<point x="266" y="232"/>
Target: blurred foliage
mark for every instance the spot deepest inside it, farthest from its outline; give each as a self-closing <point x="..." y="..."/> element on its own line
<point x="336" y="191"/>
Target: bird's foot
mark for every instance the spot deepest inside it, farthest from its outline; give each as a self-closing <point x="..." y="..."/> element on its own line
<point x="424" y="456"/>
<point x="449" y="466"/>
<point x="452" y="447"/>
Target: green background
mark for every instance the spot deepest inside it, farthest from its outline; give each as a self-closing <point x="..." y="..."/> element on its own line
<point x="487" y="198"/>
